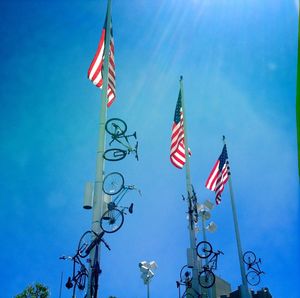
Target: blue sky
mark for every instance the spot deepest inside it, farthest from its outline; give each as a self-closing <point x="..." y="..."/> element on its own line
<point x="238" y="59"/>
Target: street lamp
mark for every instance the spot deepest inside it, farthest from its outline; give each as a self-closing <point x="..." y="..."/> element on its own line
<point x="204" y="211"/>
<point x="147" y="273"/>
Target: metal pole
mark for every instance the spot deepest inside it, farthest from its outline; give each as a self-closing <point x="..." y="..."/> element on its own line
<point x="244" y="288"/>
<point x="61" y="281"/>
<point x="209" y="290"/>
<point x="203" y="226"/>
<point x="298" y="97"/>
<point x="148" y="289"/>
<point x="191" y="226"/>
<point x="98" y="201"/>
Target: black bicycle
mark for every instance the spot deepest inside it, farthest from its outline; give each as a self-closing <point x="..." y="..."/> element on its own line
<point x="206" y="276"/>
<point x="117" y="128"/>
<point x="253" y="276"/>
<point x="79" y="273"/>
<point x="87" y="242"/>
<point x="113" y="219"/>
<point x="186" y="280"/>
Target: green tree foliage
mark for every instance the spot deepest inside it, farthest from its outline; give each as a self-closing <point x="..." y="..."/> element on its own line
<point x="35" y="291"/>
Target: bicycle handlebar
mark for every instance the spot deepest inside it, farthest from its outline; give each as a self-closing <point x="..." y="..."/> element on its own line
<point x="133" y="187"/>
<point x="130" y="187"/>
<point x="66" y="258"/>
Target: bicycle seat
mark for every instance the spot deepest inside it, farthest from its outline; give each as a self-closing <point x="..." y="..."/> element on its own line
<point x="130" y="209"/>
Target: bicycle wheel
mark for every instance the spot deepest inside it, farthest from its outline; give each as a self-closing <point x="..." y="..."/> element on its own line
<point x="253" y="278"/>
<point x="84" y="242"/>
<point x="206" y="278"/>
<point x="113" y="183"/>
<point x="116" y="127"/>
<point x="112" y="221"/>
<point x="185" y="273"/>
<point x="249" y="257"/>
<point x="114" y="154"/>
<point x="81" y="281"/>
<point x="204" y="249"/>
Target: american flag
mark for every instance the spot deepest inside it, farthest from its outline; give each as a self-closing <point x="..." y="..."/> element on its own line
<point x="96" y="67"/>
<point x="219" y="175"/>
<point x="177" y="155"/>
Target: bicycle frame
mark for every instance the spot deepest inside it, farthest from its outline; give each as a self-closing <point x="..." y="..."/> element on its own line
<point x="119" y="196"/>
<point x="117" y="128"/>
<point x="118" y="137"/>
<point x="213" y="261"/>
<point x="257" y="269"/>
<point x="249" y="259"/>
<point x="188" y="288"/>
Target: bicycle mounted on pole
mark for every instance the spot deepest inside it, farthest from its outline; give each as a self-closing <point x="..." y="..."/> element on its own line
<point x="113" y="219"/>
<point x="253" y="276"/>
<point x="80" y="272"/>
<point x="206" y="276"/>
<point x="186" y="280"/>
<point x="117" y="128"/>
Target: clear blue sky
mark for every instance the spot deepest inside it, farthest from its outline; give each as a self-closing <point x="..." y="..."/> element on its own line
<point x="238" y="59"/>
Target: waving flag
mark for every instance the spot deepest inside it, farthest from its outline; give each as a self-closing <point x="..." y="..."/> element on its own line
<point x="219" y="175"/>
<point x="177" y="155"/>
<point x="95" y="72"/>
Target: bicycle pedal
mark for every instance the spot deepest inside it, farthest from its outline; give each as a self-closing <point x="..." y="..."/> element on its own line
<point x="81" y="287"/>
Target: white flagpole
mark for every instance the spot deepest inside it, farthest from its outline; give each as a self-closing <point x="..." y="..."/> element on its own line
<point x="191" y="225"/>
<point x="98" y="201"/>
<point x="244" y="287"/>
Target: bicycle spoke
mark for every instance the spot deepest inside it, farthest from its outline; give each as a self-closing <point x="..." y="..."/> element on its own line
<point x="116" y="127"/>
<point x="249" y="257"/>
<point x="204" y="249"/>
<point x="113" y="183"/>
<point x="112" y="220"/>
<point x="206" y="278"/>
<point x="253" y="278"/>
<point x="84" y="242"/>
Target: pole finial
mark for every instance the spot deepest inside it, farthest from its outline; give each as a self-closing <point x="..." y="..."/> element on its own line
<point x="181" y="78"/>
<point x="223" y="138"/>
